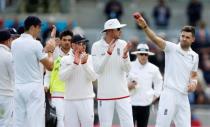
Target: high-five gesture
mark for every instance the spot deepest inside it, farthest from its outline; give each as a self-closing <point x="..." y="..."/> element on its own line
<point x="126" y="49"/>
<point x="50" y="46"/>
<point x="111" y="46"/>
<point x="53" y="32"/>
<point x="140" y="20"/>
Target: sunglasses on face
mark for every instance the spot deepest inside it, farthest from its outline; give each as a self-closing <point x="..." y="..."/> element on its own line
<point x="143" y="54"/>
<point x="118" y="29"/>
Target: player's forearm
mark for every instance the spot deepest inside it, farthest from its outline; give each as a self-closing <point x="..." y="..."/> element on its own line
<point x="154" y="38"/>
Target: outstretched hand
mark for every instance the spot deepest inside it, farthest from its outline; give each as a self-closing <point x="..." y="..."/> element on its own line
<point x="53" y="32"/>
<point x="50" y="45"/>
<point x="140" y="20"/>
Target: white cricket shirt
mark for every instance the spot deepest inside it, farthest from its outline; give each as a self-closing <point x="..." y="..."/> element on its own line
<point x="27" y="53"/>
<point x="78" y="78"/>
<point x="178" y="66"/>
<point x="112" y="69"/>
<point x="145" y="76"/>
<point x="6" y="72"/>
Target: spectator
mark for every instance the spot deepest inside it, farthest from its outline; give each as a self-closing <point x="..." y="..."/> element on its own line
<point x="202" y="35"/>
<point x="113" y="9"/>
<point x="15" y="23"/>
<point x="1" y="23"/>
<point x="194" y="12"/>
<point x="20" y="30"/>
<point x="134" y="42"/>
<point x="161" y="14"/>
<point x="195" y="122"/>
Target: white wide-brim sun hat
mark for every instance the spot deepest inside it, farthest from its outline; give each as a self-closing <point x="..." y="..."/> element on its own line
<point x="112" y="24"/>
<point x="143" y="49"/>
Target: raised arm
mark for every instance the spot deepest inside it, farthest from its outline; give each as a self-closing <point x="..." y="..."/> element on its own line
<point x="149" y="32"/>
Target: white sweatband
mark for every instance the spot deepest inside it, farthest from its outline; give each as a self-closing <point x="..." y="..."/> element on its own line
<point x="195" y="81"/>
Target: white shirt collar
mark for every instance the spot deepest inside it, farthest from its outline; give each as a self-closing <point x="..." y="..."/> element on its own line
<point x="26" y="35"/>
<point x="62" y="53"/>
<point x="183" y="51"/>
<point x="5" y="47"/>
<point x="104" y="42"/>
<point x="139" y="64"/>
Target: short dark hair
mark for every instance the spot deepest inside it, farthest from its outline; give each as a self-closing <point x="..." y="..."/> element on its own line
<point x="5" y="35"/>
<point x="66" y="33"/>
<point x="190" y="29"/>
<point x="31" y="21"/>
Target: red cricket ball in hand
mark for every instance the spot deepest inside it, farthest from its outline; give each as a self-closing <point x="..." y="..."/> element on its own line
<point x="137" y="15"/>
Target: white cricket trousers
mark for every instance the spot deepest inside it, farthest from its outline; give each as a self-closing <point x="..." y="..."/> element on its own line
<point x="78" y="113"/>
<point x="122" y="106"/>
<point x="173" y="106"/>
<point x="6" y="111"/>
<point x="29" y="105"/>
<point x="59" y="104"/>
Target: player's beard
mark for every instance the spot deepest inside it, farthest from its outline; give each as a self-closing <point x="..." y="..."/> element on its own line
<point x="185" y="45"/>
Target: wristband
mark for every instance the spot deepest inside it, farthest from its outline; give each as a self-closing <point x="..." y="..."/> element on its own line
<point x="195" y="81"/>
<point x="144" y="27"/>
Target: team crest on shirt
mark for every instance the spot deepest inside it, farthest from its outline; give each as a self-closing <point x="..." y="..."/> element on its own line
<point x="102" y="54"/>
<point x="165" y="111"/>
<point x="118" y="51"/>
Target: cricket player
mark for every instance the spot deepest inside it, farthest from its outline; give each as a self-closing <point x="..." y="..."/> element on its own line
<point x="181" y="64"/>
<point x="6" y="80"/>
<point x="111" y="61"/>
<point x="52" y="80"/>
<point x="77" y="73"/>
<point x="27" y="53"/>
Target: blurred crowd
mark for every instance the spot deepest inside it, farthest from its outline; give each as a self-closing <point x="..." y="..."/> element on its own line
<point x="161" y="14"/>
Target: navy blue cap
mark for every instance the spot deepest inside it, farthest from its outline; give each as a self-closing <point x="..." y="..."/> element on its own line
<point x="78" y="39"/>
<point x="13" y="32"/>
<point x="4" y="35"/>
